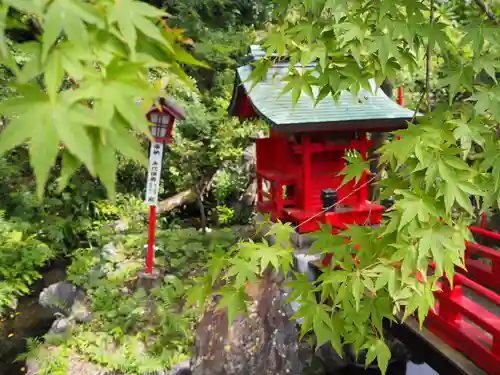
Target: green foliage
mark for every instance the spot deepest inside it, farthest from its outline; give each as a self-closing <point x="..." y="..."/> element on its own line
<point x="222" y="32"/>
<point x="225" y="214"/>
<point x="51" y="361"/>
<point x="128" y="209"/>
<point x="355" y="169"/>
<point x="133" y="331"/>
<point x="432" y="169"/>
<point x="208" y="141"/>
<point x="82" y="262"/>
<point x="188" y="249"/>
<point x="21" y="257"/>
<point x="89" y="43"/>
<point x="61" y="219"/>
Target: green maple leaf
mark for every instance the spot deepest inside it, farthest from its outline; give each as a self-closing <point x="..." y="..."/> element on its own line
<point x="286" y="259"/>
<point x="244" y="270"/>
<point x="436" y="34"/>
<point x="359" y="235"/>
<point x="132" y="16"/>
<point x="379" y="350"/>
<point x="301" y="287"/>
<point x="398" y="152"/>
<point x="487" y="101"/>
<point x="216" y="264"/>
<point x="453" y="193"/>
<point x="357" y="290"/>
<point x="467" y="133"/>
<point x="266" y="220"/>
<point x="489" y="64"/>
<point x="57" y="122"/>
<point x="267" y="255"/>
<point x="340" y="6"/>
<point x="456" y="78"/>
<point x="199" y="292"/>
<point x="413" y="206"/>
<point x="306" y="311"/>
<point x="69" y="16"/>
<point x="282" y="233"/>
<point x="322" y="325"/>
<point x="234" y="300"/>
<point x="325" y="241"/>
<point x="386" y="48"/>
<point x="355" y="167"/>
<point x="305" y="31"/>
<point x="299" y="82"/>
<point x="276" y="41"/>
<point x="352" y="31"/>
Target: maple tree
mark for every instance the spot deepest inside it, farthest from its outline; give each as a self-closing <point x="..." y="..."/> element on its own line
<point x="93" y="59"/>
<point x="448" y="154"/>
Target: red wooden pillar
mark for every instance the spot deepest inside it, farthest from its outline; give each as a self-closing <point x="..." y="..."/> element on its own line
<point x="401" y="98"/>
<point x="447" y="310"/>
<point x="306" y="173"/>
<point x="151" y="239"/>
<point x="363" y="192"/>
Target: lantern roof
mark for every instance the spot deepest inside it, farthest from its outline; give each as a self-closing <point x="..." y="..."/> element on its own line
<point x="169" y="106"/>
<point x="368" y="111"/>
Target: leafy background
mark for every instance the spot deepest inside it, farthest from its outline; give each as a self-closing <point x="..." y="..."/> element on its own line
<point x="70" y="88"/>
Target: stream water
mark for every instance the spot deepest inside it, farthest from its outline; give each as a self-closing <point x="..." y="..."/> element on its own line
<point x="408" y="368"/>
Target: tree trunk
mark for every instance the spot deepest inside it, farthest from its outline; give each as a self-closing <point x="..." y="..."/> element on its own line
<point x="378" y="140"/>
<point x="201" y="207"/>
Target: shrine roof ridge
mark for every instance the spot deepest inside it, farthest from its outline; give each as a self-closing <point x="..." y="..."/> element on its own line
<point x="368" y="110"/>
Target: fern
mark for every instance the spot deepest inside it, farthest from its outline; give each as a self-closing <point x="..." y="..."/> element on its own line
<point x="49" y="360"/>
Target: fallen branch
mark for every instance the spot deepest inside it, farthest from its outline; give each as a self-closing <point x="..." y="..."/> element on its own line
<point x="187" y="196"/>
<point x="178" y="200"/>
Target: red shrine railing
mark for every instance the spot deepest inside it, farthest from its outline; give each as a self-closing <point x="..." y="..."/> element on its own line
<point x="467" y="316"/>
<point x="465" y="324"/>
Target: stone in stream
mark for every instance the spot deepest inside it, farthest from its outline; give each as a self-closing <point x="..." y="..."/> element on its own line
<point x="29" y="320"/>
<point x="181" y="368"/>
<point x="61" y="326"/>
<point x="263" y="343"/>
<point x="59" y="296"/>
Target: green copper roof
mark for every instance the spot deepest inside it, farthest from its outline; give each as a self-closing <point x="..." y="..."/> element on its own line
<point x="367" y="110"/>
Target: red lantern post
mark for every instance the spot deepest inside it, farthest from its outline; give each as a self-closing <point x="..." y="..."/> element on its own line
<point x="162" y="120"/>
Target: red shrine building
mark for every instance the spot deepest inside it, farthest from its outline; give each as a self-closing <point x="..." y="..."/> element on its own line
<point x="300" y="160"/>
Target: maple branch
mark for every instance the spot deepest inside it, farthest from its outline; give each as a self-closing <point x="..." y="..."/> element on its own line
<point x="428" y="61"/>
<point x="489" y="13"/>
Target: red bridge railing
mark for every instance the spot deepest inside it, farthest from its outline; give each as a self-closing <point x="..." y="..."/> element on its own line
<point x="464" y="317"/>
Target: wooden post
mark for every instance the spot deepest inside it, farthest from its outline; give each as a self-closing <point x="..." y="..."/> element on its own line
<point x="151" y="239"/>
<point x="447" y="309"/>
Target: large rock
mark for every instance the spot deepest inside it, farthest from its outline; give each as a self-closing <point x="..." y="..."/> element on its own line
<point x="263" y="343"/>
<point x="59" y="296"/>
<point x="29" y="320"/>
